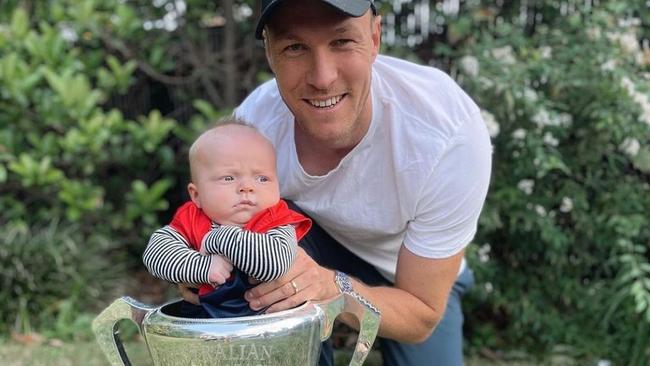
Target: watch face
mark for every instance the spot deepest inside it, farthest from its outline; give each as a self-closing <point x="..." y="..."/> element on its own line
<point x="345" y="287"/>
<point x="343" y="282"/>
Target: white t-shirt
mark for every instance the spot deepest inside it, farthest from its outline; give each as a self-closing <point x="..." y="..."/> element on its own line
<point x="419" y="176"/>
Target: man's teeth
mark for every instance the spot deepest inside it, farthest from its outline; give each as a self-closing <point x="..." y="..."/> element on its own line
<point x="327" y="102"/>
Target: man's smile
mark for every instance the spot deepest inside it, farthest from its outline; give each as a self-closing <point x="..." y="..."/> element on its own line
<point x="327" y="102"/>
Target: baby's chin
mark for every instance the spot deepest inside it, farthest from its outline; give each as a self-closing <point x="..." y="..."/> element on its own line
<point x="240" y="219"/>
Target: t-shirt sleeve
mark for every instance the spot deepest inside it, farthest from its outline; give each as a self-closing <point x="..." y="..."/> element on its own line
<point x="249" y="110"/>
<point x="451" y="199"/>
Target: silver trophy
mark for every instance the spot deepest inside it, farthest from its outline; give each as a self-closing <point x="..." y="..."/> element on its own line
<point x="291" y="337"/>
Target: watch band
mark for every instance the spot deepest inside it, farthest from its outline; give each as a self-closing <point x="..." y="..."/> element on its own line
<point x="345" y="287"/>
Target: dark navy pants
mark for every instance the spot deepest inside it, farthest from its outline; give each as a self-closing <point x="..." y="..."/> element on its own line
<point x="443" y="347"/>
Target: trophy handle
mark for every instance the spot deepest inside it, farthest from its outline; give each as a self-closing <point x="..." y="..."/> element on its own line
<point x="107" y="333"/>
<point x="368" y="318"/>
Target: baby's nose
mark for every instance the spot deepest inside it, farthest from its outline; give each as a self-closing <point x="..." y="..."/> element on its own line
<point x="245" y="188"/>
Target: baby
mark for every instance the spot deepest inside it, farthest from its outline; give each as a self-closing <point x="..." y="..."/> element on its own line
<point x="235" y="216"/>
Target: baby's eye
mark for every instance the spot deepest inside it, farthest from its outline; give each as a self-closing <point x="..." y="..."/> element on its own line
<point x="228" y="178"/>
<point x="262" y="179"/>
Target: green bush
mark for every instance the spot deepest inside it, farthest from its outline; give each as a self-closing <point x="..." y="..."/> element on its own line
<point x="87" y="89"/>
<point x="562" y="259"/>
<point x="77" y="178"/>
<point x="48" y="274"/>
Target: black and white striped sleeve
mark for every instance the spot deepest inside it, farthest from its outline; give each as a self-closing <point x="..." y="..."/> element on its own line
<point x="169" y="257"/>
<point x="264" y="256"/>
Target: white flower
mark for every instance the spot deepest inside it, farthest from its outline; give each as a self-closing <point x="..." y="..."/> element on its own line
<point x="484" y="253"/>
<point x="629" y="43"/>
<point x="645" y="115"/>
<point x="519" y="134"/>
<point x="504" y="54"/>
<point x="469" y="65"/>
<point x="541" y="211"/>
<point x="68" y="33"/>
<point x="545" y="52"/>
<point x="564" y="119"/>
<point x="642" y="99"/>
<point x="544" y="118"/>
<point x="491" y="123"/>
<point x="526" y="185"/>
<point x="610" y="65"/>
<point x="630" y="146"/>
<point x="488" y="287"/>
<point x="550" y="140"/>
<point x="628" y="85"/>
<point x="629" y="22"/>
<point x="485" y="82"/>
<point x="594" y="33"/>
<point x="530" y="95"/>
<point x="566" y="205"/>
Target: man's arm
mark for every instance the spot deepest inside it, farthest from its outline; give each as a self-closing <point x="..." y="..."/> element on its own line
<point x="263" y="256"/>
<point x="409" y="311"/>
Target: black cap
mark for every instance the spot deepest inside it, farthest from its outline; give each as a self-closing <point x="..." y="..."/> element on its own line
<point x="353" y="8"/>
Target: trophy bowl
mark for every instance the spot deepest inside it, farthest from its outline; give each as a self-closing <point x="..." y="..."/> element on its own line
<point x="290" y="337"/>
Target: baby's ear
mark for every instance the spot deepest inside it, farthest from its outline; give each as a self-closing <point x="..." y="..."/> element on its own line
<point x="194" y="194"/>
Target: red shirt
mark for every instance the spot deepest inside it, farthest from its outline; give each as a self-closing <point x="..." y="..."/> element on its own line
<point x="190" y="221"/>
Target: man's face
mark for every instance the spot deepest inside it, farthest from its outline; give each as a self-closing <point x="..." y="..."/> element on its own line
<point x="234" y="175"/>
<point x="322" y="63"/>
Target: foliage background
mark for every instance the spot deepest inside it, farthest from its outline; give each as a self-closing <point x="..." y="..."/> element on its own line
<point x="99" y="99"/>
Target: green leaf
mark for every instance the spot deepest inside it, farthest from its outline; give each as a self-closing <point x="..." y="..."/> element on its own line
<point x="207" y="109"/>
<point x="3" y="173"/>
<point x="35" y="172"/>
<point x="19" y="23"/>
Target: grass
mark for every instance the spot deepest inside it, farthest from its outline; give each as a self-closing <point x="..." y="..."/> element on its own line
<point x="88" y="353"/>
<point x="68" y="354"/>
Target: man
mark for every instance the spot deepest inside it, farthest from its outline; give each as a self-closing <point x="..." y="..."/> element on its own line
<point x="392" y="162"/>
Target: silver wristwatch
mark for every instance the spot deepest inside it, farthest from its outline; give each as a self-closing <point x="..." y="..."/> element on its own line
<point x="345" y="287"/>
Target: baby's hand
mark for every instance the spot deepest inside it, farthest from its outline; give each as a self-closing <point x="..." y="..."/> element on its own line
<point x="220" y="269"/>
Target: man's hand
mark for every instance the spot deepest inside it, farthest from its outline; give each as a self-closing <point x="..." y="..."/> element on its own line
<point x="220" y="269"/>
<point x="306" y="280"/>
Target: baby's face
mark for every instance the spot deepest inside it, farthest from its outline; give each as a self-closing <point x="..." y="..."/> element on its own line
<point x="234" y="176"/>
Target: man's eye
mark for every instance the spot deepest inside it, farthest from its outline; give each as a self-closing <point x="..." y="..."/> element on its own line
<point x="296" y="47"/>
<point x="341" y="42"/>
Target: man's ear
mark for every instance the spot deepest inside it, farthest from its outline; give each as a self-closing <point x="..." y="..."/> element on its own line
<point x="267" y="50"/>
<point x="194" y="194"/>
<point x="376" y="35"/>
